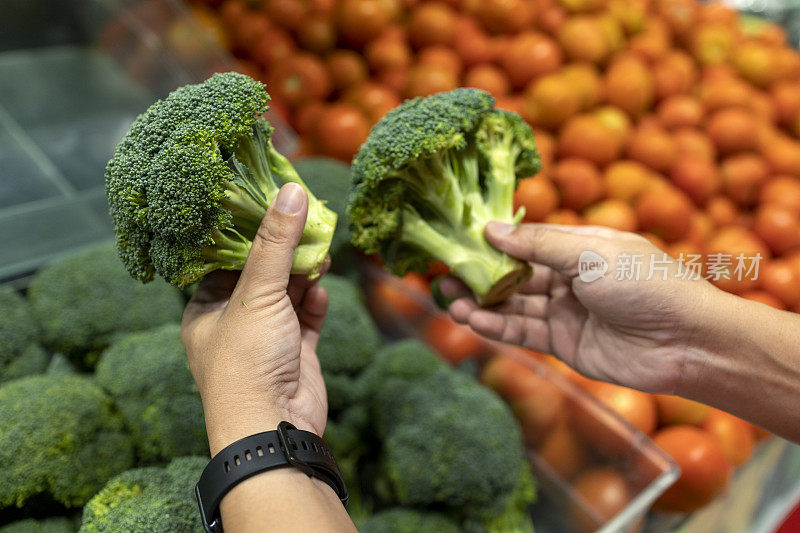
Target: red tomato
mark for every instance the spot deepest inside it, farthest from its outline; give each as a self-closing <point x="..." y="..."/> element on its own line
<point x="781" y="278"/>
<point x="272" y="48"/>
<point x="538" y="196"/>
<point x="604" y="491"/>
<point x="341" y="130"/>
<point x="432" y="23"/>
<point x="424" y="80"/>
<point x="346" y="68"/>
<point x="404" y="297"/>
<point x="563" y="451"/>
<point x="530" y="55"/>
<point x="454" y="342"/>
<point x="734" y="435"/>
<point x="635" y="407"/>
<point x="705" y="471"/>
<point x="300" y="78"/>
<point x="374" y="99"/>
<point x="317" y="34"/>
<point x="674" y="410"/>
<point x="362" y="20"/>
<point x="779" y="227"/>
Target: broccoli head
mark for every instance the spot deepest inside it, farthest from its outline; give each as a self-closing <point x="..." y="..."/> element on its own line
<point x="403" y="360"/>
<point x="190" y="182"/>
<point x="60" y="436"/>
<point x="402" y="520"/>
<point x="147" y="374"/>
<point x="148" y="500"/>
<point x="58" y="524"/>
<point x="515" y="515"/>
<point x="431" y="175"/>
<point x="349" y="339"/>
<point x="449" y="442"/>
<point x="19" y="353"/>
<point x="33" y="360"/>
<point x="83" y="300"/>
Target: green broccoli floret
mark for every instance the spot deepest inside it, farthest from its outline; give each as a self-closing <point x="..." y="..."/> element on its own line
<point x="60" y="524"/>
<point x="342" y="391"/>
<point x="60" y="436"/>
<point x="148" y="500"/>
<point x="516" y="514"/>
<point x="147" y="374"/>
<point x="33" y="360"/>
<point x="330" y="179"/>
<point x="192" y="179"/>
<point x="403" y="360"/>
<point x="347" y="437"/>
<point x="349" y="339"/>
<point x="431" y="175"/>
<point x="401" y="520"/>
<point x="83" y="300"/>
<point x="451" y="443"/>
<point x="19" y="353"/>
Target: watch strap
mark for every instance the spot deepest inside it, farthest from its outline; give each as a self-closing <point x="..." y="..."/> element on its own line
<point x="284" y="447"/>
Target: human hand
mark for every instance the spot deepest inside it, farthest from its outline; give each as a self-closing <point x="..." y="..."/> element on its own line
<point x="633" y="333"/>
<point x="251" y="337"/>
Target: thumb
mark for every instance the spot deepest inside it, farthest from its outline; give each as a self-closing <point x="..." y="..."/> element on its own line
<point x="557" y="247"/>
<point x="266" y="272"/>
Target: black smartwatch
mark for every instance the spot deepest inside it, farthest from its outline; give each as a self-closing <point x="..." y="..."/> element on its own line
<point x="286" y="446"/>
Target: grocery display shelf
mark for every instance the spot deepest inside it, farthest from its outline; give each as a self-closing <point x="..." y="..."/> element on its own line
<point x="72" y="79"/>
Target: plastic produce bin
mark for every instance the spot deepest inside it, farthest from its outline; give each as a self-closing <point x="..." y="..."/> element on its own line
<point x="609" y="443"/>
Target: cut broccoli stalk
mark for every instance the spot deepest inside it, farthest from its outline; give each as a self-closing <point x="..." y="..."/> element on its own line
<point x="433" y="173"/>
<point x="191" y="181"/>
<point x="258" y="171"/>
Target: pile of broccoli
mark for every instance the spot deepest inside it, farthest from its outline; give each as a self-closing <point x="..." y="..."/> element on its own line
<point x="147" y="374"/>
<point x="149" y="499"/>
<point x="82" y="301"/>
<point x="192" y="179"/>
<point x="20" y="352"/>
<point x="61" y="438"/>
<point x="430" y="177"/>
<point x="416" y="436"/>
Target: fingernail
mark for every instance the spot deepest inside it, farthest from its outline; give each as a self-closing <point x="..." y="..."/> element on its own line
<point x="289" y="199"/>
<point x="499" y="228"/>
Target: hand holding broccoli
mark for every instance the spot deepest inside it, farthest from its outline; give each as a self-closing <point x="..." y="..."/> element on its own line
<point x="251" y="338"/>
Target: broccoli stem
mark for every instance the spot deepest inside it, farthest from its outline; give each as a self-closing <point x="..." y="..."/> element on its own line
<point x="502" y="179"/>
<point x="490" y="274"/>
<point x="259" y="170"/>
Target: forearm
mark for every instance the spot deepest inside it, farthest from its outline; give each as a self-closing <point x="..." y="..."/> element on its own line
<point x="745" y="359"/>
<point x="283" y="499"/>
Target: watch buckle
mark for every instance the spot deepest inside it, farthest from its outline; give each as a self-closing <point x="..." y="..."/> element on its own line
<point x="289" y="446"/>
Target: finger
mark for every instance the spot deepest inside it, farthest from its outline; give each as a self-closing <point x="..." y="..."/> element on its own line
<point x="548" y="245"/>
<point x="462" y="308"/>
<point x="530" y="306"/>
<point x="300" y="283"/>
<point x="265" y="275"/>
<point x="216" y="286"/>
<point x="530" y="333"/>
<point x="311" y="315"/>
<point x="539" y="282"/>
<point x="453" y="288"/>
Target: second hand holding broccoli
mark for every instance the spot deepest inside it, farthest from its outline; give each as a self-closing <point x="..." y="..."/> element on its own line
<point x="430" y="177"/>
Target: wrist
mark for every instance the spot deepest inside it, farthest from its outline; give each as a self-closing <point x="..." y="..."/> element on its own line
<point x="715" y="342"/>
<point x="233" y="416"/>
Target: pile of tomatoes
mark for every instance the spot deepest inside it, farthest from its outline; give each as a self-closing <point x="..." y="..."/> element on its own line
<point x="673" y="118"/>
<point x="602" y="464"/>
